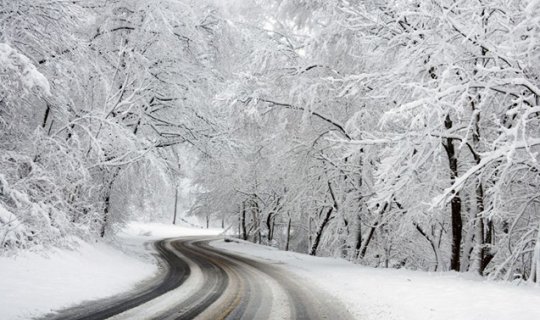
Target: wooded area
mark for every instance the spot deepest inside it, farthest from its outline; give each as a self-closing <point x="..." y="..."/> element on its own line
<point x="391" y="133"/>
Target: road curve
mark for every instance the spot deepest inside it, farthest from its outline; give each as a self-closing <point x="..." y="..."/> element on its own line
<point x="203" y="282"/>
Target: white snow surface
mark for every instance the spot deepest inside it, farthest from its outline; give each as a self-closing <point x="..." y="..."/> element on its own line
<point x="391" y="294"/>
<point x="155" y="231"/>
<point x="33" y="284"/>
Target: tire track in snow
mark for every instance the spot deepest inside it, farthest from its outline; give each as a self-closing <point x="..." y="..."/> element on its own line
<point x="203" y="282"/>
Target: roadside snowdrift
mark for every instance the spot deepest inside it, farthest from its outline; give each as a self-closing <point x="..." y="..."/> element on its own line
<point x="37" y="284"/>
<point x="390" y="294"/>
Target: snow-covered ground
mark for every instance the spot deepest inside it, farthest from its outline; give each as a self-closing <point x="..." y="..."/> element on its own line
<point x="154" y="231"/>
<point x="34" y="284"/>
<point x="389" y="294"/>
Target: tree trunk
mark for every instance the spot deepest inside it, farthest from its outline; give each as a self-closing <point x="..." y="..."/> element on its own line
<point x="535" y="260"/>
<point x="431" y="243"/>
<point x="104" y="222"/>
<point x="270" y="226"/>
<point x="175" y="205"/>
<point x="107" y="202"/>
<point x="46" y="115"/>
<point x="255" y="213"/>
<point x="345" y="247"/>
<point x="486" y="255"/>
<point x="469" y="237"/>
<point x="484" y="232"/>
<point x="455" y="203"/>
<point x="358" y="240"/>
<point x="485" y="226"/>
<point x="288" y="234"/>
<point x="367" y="240"/>
<point x="243" y="221"/>
<point x="320" y="230"/>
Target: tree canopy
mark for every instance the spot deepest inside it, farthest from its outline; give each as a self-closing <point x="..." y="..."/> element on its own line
<point x="392" y="133"/>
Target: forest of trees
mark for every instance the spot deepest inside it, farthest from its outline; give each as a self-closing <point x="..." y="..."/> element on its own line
<point x="390" y="133"/>
<point x="97" y="97"/>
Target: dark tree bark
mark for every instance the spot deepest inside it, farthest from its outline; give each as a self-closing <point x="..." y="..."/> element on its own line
<point x="366" y="242"/>
<point x="175" y="205"/>
<point x="431" y="243"/>
<point x="46" y="115"/>
<point x="104" y="223"/>
<point x="271" y="219"/>
<point x="358" y="244"/>
<point x="270" y="225"/>
<point x="255" y="214"/>
<point x="243" y="221"/>
<point x="371" y="232"/>
<point x="324" y="223"/>
<point x="319" y="233"/>
<point x="486" y="233"/>
<point x="107" y="202"/>
<point x="485" y="225"/>
<point x="455" y="203"/>
<point x="288" y="234"/>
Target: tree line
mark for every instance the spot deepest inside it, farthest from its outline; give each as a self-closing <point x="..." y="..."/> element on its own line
<point x="391" y="133"/>
<point x="96" y="98"/>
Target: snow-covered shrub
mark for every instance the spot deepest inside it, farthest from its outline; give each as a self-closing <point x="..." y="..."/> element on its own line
<point x="16" y="70"/>
<point x="36" y="209"/>
<point x="12" y="231"/>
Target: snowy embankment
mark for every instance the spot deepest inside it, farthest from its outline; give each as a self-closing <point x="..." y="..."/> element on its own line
<point x="391" y="294"/>
<point x="34" y="284"/>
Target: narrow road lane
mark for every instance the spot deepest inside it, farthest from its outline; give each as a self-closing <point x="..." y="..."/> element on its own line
<point x="202" y="282"/>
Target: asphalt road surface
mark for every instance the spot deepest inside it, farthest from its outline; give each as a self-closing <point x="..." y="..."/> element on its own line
<point x="202" y="282"/>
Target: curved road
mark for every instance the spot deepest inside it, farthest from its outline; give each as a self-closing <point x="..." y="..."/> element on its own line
<point x="202" y="282"/>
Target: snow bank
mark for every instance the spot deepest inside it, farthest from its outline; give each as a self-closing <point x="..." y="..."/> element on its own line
<point x="34" y="284"/>
<point x="391" y="294"/>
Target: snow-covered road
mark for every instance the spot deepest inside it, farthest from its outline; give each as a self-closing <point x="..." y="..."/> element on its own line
<point x="39" y="282"/>
<point x="203" y="282"/>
